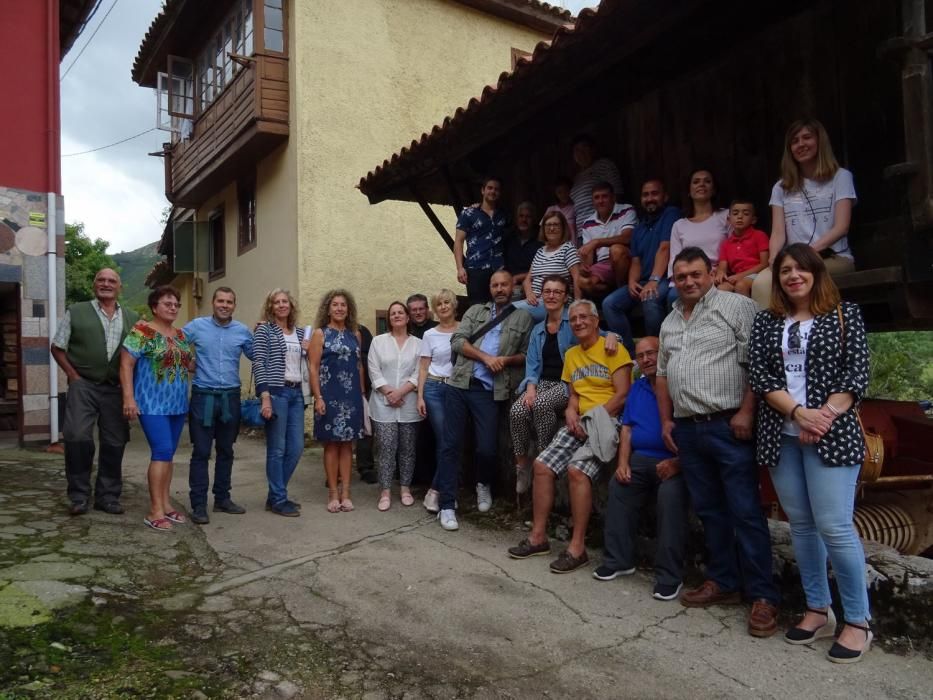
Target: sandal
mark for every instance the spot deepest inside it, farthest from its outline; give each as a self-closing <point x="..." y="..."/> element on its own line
<point x="839" y="654"/>
<point x="385" y="501"/>
<point x="407" y="498"/>
<point x="333" y="506"/>
<point x="159" y="524"/>
<point x="176" y="517"/>
<point x="346" y="505"/>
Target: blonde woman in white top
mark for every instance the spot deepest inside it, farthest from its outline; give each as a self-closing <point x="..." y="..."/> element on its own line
<point x="434" y="371"/>
<point x="393" y="404"/>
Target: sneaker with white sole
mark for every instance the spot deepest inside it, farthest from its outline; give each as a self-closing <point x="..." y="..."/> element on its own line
<point x="605" y="573"/>
<point x="430" y="501"/>
<point x="522" y="479"/>
<point x="483" y="498"/>
<point x="448" y="518"/>
<point x="666" y="591"/>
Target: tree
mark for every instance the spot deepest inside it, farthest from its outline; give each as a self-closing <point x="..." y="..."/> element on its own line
<point x="83" y="258"/>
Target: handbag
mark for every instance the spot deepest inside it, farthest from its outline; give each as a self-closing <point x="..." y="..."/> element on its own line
<point x="250" y="409"/>
<point x="484" y="329"/>
<point x="874" y="443"/>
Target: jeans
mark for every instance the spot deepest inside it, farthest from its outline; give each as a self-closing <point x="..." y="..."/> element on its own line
<point x="435" y="396"/>
<point x="218" y="435"/>
<point x="618" y="305"/>
<point x="722" y="478"/>
<point x="538" y="313"/>
<point x="623" y="509"/>
<point x="477" y="402"/>
<point x="285" y="440"/>
<point x="819" y="500"/>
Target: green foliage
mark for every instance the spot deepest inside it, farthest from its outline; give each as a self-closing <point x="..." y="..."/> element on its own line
<point x="135" y="266"/>
<point x="83" y="259"/>
<point x="901" y="366"/>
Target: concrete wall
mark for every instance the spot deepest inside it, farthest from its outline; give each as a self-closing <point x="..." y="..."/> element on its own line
<point x="371" y="76"/>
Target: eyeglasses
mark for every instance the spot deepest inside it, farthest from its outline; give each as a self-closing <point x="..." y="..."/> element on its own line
<point x="170" y="304"/>
<point x="553" y="293"/>
<point x="793" y="336"/>
<point x="646" y="354"/>
<point x="553" y="225"/>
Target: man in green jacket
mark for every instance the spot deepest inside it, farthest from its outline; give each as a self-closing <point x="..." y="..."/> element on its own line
<point x="87" y="348"/>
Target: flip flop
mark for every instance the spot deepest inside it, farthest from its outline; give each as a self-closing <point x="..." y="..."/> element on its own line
<point x="407" y="498"/>
<point x="385" y="503"/>
<point x="175" y="517"/>
<point x="333" y="506"/>
<point x="346" y="505"/>
<point x="158" y="524"/>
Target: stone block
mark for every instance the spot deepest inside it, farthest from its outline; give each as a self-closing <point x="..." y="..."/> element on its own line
<point x="29" y="327"/>
<point x="36" y="356"/>
<point x="10" y="273"/>
<point x="35" y="277"/>
<point x="37" y="418"/>
<point x="37" y="379"/>
<point x="34" y="402"/>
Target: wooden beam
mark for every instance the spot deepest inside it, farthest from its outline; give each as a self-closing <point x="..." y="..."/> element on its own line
<point x="454" y="191"/>
<point x="432" y="217"/>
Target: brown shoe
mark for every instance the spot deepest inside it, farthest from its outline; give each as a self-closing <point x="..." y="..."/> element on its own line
<point x="709" y="594"/>
<point x="762" y="622"/>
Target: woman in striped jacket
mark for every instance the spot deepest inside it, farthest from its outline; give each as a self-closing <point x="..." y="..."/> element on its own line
<point x="277" y="365"/>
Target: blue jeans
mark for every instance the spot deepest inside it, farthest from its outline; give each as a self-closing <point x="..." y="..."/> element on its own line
<point x="458" y="406"/>
<point x="722" y="478"/>
<point x="285" y="440"/>
<point x="671" y="297"/>
<point x="220" y="436"/>
<point x="618" y="305"/>
<point x="819" y="500"/>
<point x="435" y="396"/>
<point x="538" y="313"/>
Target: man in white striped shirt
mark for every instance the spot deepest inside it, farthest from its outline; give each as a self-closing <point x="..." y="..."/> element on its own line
<point x="707" y="416"/>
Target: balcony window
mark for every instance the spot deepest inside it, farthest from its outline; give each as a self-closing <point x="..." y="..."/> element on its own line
<point x="215" y="240"/>
<point x="273" y="34"/>
<point x="246" y="223"/>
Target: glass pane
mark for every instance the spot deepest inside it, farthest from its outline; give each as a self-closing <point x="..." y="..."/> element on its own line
<point x="273" y="18"/>
<point x="277" y="4"/>
<point x="273" y="39"/>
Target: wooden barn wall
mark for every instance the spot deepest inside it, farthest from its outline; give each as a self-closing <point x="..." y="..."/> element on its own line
<point x="720" y="95"/>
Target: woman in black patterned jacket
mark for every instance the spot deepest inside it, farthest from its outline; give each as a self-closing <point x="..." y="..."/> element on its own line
<point x="808" y="361"/>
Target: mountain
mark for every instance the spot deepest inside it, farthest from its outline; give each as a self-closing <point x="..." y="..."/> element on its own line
<point x="134" y="266"/>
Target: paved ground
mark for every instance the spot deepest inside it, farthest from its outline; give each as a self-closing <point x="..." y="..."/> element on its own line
<point x="364" y="604"/>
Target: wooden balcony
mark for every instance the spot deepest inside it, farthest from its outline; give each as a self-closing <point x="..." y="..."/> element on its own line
<point x="244" y="124"/>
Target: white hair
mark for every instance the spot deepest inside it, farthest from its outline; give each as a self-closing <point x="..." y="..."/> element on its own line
<point x="584" y="302"/>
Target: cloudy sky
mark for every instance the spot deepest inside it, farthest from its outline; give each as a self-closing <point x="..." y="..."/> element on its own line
<point x="118" y="192"/>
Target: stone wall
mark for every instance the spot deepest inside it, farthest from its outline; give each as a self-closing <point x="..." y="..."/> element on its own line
<point x="24" y="278"/>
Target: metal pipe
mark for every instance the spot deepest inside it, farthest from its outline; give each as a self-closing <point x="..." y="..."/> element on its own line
<point x="51" y="222"/>
<point x="886" y="523"/>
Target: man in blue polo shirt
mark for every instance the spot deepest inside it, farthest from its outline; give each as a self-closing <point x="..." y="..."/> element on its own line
<point x="645" y="466"/>
<point x="483" y="229"/>
<point x="214" y="415"/>
<point x="647" y="275"/>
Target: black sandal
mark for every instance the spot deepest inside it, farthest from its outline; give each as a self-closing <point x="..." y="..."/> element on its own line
<point x="798" y="635"/>
<point x="839" y="654"/>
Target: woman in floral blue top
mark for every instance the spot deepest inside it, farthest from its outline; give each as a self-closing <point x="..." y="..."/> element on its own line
<point x="154" y="373"/>
<point x="337" y="384"/>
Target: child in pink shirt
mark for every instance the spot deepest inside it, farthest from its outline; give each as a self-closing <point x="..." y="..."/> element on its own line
<point x="744" y="253"/>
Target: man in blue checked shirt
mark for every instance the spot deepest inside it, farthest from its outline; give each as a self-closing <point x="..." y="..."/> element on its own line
<point x="214" y="416"/>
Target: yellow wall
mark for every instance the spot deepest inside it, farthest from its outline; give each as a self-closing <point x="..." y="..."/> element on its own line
<point x="371" y="76"/>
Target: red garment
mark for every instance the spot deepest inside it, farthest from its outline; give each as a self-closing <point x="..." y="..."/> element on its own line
<point x="743" y="252"/>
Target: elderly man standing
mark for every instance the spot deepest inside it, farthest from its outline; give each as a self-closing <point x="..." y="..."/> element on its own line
<point x="86" y="346"/>
<point x="707" y="414"/>
<point x="599" y="383"/>
<point x="214" y="415"/>
<point x="490" y="346"/>
<point x="645" y="467"/>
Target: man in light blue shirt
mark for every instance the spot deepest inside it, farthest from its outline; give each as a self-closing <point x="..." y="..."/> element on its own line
<point x="214" y="415"/>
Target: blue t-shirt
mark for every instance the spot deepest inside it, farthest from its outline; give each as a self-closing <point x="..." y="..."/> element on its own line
<point x="641" y="413"/>
<point x="484" y="236"/>
<point x="648" y="236"/>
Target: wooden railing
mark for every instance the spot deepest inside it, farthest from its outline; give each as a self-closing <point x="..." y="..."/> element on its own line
<point x="244" y="123"/>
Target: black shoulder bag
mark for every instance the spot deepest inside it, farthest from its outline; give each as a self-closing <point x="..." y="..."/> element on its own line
<point x="483" y="330"/>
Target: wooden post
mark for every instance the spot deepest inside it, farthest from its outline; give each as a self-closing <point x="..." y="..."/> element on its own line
<point x="432" y="217"/>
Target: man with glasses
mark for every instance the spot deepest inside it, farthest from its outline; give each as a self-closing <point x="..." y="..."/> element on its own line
<point x="214" y="414"/>
<point x="599" y="383"/>
<point x="645" y="469"/>
<point x="707" y="416"/>
<point x="86" y="346"/>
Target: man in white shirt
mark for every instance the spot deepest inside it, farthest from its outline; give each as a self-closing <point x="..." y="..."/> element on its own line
<point x="604" y="255"/>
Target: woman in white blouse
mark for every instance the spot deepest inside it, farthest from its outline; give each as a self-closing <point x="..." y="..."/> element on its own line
<point x="393" y="404"/>
<point x="434" y="371"/>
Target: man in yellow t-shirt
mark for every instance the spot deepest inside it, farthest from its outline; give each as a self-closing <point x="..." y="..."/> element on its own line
<point x="595" y="379"/>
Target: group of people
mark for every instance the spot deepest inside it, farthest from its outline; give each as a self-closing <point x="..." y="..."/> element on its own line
<point x="723" y="387"/>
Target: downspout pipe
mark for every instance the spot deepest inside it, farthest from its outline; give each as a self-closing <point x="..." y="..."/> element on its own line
<point x="52" y="227"/>
<point x="54" y="179"/>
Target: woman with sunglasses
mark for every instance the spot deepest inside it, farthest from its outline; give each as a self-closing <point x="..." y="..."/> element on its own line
<point x="808" y="361"/>
<point x="811" y="203"/>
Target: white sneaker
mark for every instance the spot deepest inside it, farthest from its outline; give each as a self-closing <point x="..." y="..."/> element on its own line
<point x="448" y="518"/>
<point x="522" y="479"/>
<point x="430" y="501"/>
<point x="483" y="498"/>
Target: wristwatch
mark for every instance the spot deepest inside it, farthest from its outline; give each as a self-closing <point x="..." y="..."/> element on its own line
<point x="654" y="278"/>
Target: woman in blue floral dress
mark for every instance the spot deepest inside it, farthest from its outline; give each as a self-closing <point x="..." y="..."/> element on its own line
<point x="155" y="365"/>
<point x="336" y="374"/>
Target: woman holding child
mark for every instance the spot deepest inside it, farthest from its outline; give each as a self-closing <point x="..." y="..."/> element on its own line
<point x="811" y="203"/>
<point x="556" y="257"/>
<point x="808" y="361"/>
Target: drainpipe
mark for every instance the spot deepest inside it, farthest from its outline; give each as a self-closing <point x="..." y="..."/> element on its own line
<point x="51" y="221"/>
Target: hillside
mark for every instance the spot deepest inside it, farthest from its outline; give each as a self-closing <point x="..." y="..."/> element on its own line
<point x="134" y="266"/>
